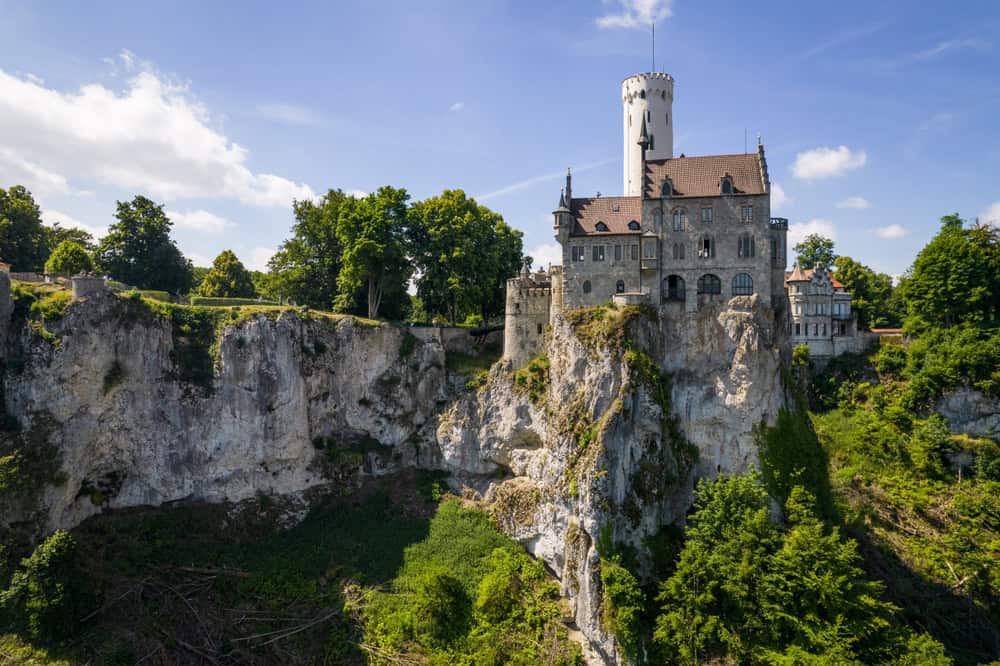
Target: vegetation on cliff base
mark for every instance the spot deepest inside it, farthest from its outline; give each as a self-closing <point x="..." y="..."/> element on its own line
<point x="607" y="326"/>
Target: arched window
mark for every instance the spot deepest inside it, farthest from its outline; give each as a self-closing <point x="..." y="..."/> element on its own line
<point x="601" y="226"/>
<point x="747" y="247"/>
<point x="620" y="287"/>
<point x="742" y="284"/>
<point x="673" y="288"/>
<point x="727" y="185"/>
<point x="678" y="250"/>
<point x="680" y="219"/>
<point x="668" y="188"/>
<point x="667" y="116"/>
<point x="586" y="286"/>
<point x="633" y="226"/>
<point x="709" y="284"/>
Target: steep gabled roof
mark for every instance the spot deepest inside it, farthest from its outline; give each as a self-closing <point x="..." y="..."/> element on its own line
<point x="615" y="212"/>
<point x="700" y="176"/>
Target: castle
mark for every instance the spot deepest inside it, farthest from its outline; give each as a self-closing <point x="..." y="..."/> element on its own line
<point x="689" y="231"/>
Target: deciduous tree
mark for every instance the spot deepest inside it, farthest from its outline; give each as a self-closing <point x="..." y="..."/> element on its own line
<point x="138" y="249"/>
<point x="815" y="250"/>
<point x="69" y="257"/>
<point x="871" y="293"/>
<point x="227" y="278"/>
<point x="24" y="240"/>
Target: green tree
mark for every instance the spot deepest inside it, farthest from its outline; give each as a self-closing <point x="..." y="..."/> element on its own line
<point x="441" y="607"/>
<point x="306" y="266"/>
<point x="375" y="264"/>
<point x="750" y="589"/>
<point x="138" y="249"/>
<point x="956" y="277"/>
<point x="24" y="240"/>
<point x="48" y="594"/>
<point x="815" y="250"/>
<point x="227" y="278"/>
<point x="464" y="253"/>
<point x="69" y="257"/>
<point x="57" y="234"/>
<point x="871" y="293"/>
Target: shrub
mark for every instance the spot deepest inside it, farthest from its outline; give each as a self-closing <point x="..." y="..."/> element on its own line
<point x="48" y="594"/>
<point x="211" y="301"/>
<point x="52" y="306"/>
<point x="534" y="378"/>
<point x="69" y="257"/>
<point x="622" y="605"/>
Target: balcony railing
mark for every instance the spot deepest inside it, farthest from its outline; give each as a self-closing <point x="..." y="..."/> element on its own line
<point x="779" y="223"/>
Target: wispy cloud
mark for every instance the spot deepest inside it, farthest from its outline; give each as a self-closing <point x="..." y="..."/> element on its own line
<point x="891" y="231"/>
<point x="636" y="13"/>
<point x="859" y="203"/>
<point x="991" y="215"/>
<point x="54" y="217"/>
<point x="778" y="197"/>
<point x="456" y="107"/>
<point x="531" y="182"/>
<point x="820" y="163"/>
<point x="940" y="50"/>
<point x="545" y="255"/>
<point x="259" y="258"/>
<point x="843" y="38"/>
<point x="290" y="114"/>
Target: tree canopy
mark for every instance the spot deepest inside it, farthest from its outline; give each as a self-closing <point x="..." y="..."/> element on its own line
<point x="815" y="250"/>
<point x="24" y="240"/>
<point x="306" y="266"/>
<point x="69" y="257"/>
<point x="464" y="254"/>
<point x="956" y="277"/>
<point x="227" y="278"/>
<point x="871" y="293"/>
<point x="138" y="249"/>
<point x="373" y="234"/>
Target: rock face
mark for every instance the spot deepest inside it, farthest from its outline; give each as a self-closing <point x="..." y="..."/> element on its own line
<point x="592" y="449"/>
<point x="970" y="411"/>
<point x="599" y="456"/>
<point x="110" y="401"/>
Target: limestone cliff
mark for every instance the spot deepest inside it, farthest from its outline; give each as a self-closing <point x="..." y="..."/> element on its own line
<point x="596" y="445"/>
<point x="592" y="444"/>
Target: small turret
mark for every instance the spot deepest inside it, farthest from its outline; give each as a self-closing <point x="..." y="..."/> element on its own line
<point x="563" y="216"/>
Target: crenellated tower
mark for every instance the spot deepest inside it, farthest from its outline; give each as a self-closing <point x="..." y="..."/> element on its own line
<point x="647" y="101"/>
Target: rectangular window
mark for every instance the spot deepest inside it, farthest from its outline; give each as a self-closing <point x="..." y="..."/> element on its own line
<point x="824" y="330"/>
<point x="706" y="215"/>
<point x="635" y="253"/>
<point x="618" y="252"/>
<point x="746" y="213"/>
<point x="798" y="329"/>
<point x="598" y="253"/>
<point x="577" y="253"/>
<point x="649" y="249"/>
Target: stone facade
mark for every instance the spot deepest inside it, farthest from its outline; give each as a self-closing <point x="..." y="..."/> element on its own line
<point x="691" y="231"/>
<point x="85" y="286"/>
<point x="821" y="315"/>
<point x="528" y="310"/>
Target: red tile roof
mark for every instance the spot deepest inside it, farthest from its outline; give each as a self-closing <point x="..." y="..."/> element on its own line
<point x="700" y="176"/>
<point x="615" y="212"/>
<point x="799" y="275"/>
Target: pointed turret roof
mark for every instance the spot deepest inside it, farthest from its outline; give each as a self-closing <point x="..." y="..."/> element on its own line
<point x="563" y="207"/>
<point x="643" y="135"/>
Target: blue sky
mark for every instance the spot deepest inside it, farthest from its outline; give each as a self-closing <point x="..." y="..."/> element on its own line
<point x="877" y="117"/>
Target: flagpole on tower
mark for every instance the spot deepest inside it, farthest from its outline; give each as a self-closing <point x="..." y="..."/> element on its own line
<point x="653" y="44"/>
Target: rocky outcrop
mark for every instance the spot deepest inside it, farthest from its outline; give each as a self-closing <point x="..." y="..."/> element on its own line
<point x="590" y="450"/>
<point x="970" y="411"/>
<point x="604" y="451"/>
<point x="290" y="396"/>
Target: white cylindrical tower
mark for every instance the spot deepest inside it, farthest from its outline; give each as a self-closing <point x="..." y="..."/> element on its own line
<point x="647" y="97"/>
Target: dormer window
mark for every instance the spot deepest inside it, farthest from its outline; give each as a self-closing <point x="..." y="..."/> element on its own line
<point x="668" y="188"/>
<point x="601" y="226"/>
<point x="727" y="184"/>
<point x="633" y="226"/>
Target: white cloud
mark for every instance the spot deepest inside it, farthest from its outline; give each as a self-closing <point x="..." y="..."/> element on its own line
<point x="942" y="48"/>
<point x="152" y="137"/>
<point x="891" y="231"/>
<point x="797" y="231"/>
<point x="991" y="215"/>
<point x="827" y="162"/>
<point x="34" y="79"/>
<point x="259" y="258"/>
<point x="199" y="220"/>
<point x="545" y="255"/>
<point x="637" y="13"/>
<point x="290" y="114"/>
<point x="198" y="259"/>
<point x="357" y="194"/>
<point x="854" y="202"/>
<point x="53" y="217"/>
<point x="456" y="107"/>
<point x="778" y="197"/>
